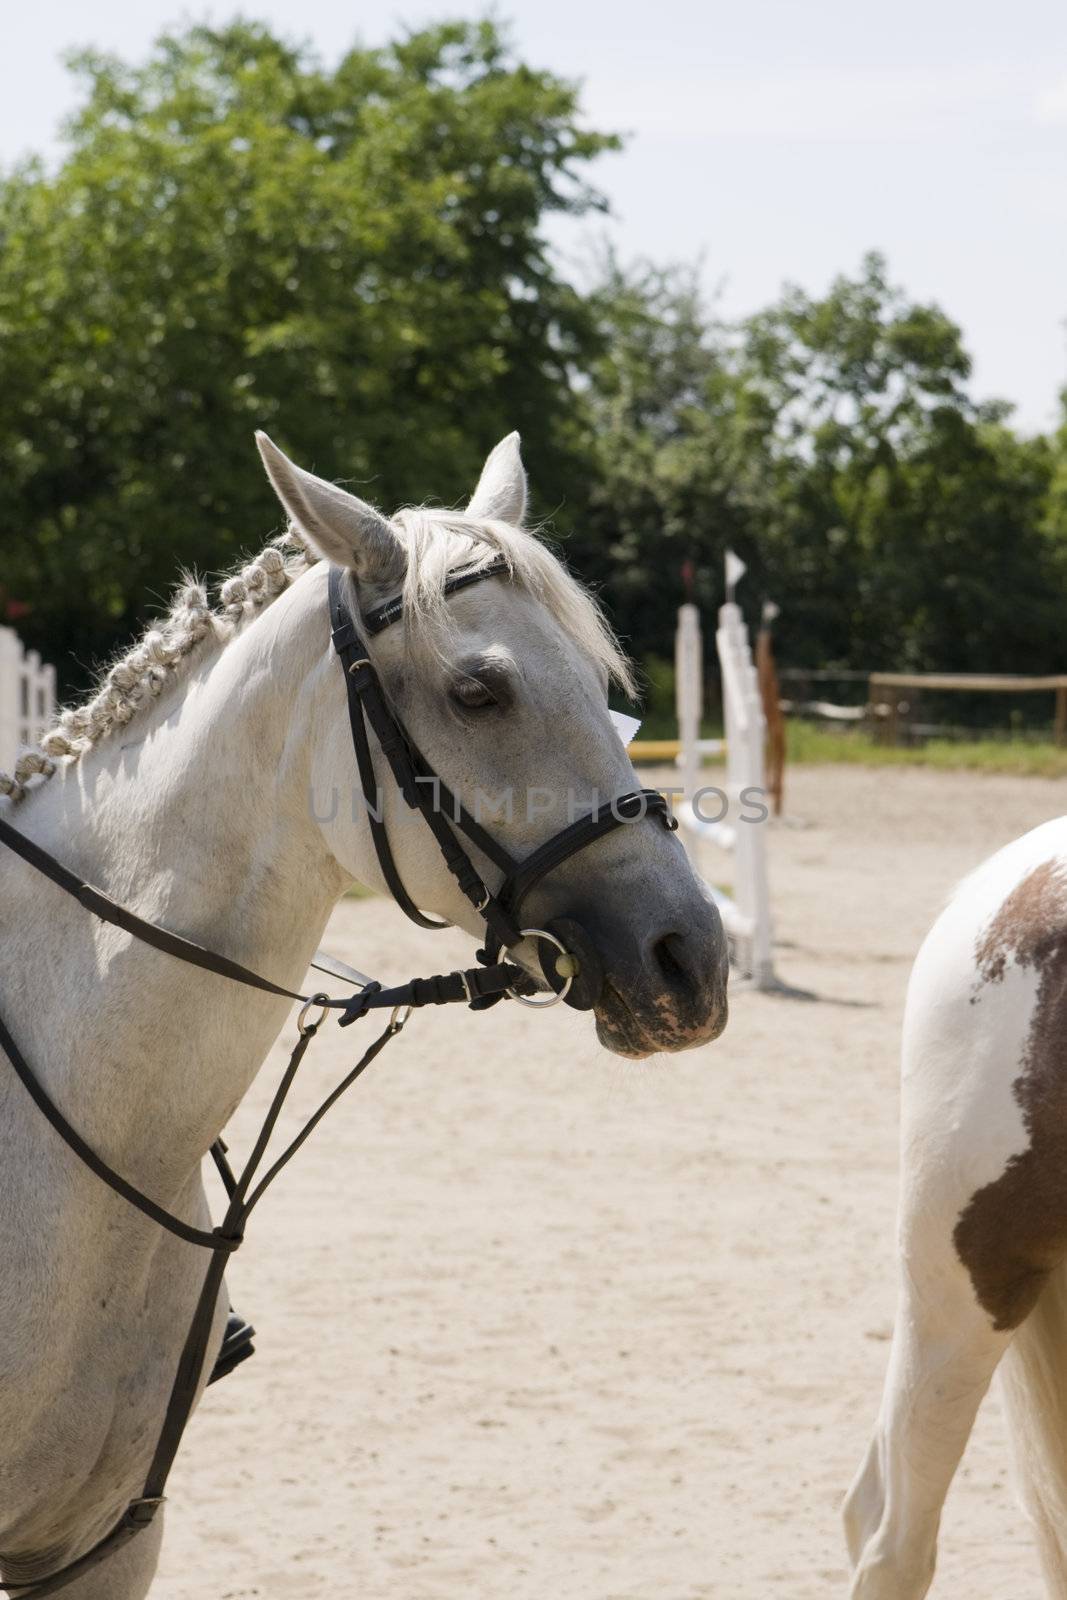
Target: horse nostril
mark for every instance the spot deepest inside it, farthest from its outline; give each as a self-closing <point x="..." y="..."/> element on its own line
<point x="669" y="956"/>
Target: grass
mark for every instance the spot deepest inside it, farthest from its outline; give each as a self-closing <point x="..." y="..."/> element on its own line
<point x="1037" y="759"/>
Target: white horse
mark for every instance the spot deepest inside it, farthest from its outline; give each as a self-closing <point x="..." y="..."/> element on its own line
<point x="196" y="787"/>
<point x="983" y="1220"/>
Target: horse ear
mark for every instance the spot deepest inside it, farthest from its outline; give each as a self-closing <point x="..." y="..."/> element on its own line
<point x="501" y="491"/>
<point x="341" y="528"/>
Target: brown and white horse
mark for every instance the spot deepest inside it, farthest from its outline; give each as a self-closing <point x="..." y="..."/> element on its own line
<point x="983" y="1220"/>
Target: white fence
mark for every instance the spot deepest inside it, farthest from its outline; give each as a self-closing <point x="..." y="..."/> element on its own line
<point x="747" y="913"/>
<point x="27" y="697"/>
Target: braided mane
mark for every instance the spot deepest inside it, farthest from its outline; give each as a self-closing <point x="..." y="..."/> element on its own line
<point x="141" y="674"/>
<point x="436" y="540"/>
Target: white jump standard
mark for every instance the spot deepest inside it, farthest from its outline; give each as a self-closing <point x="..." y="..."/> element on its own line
<point x="747" y="913"/>
<point x="27" y="707"/>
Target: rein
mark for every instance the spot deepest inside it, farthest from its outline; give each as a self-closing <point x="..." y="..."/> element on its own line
<point x="478" y="987"/>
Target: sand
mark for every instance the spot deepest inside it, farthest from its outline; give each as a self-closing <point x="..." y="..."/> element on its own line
<point x="535" y="1322"/>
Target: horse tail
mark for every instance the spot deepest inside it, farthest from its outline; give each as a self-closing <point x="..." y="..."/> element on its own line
<point x="1033" y="1376"/>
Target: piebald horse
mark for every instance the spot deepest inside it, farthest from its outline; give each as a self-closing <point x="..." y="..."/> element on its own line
<point x="209" y="785"/>
<point x="983" y="1220"/>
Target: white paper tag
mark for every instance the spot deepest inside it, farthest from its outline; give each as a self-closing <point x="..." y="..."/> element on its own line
<point x="626" y="727"/>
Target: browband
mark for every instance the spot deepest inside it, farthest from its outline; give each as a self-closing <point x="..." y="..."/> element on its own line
<point x="391" y="611"/>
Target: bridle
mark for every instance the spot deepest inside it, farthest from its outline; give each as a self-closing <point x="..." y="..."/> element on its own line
<point x="424" y="790"/>
<point x="479" y="987"/>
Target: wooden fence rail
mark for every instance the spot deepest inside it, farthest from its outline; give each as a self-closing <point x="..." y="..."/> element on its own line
<point x="1005" y="683"/>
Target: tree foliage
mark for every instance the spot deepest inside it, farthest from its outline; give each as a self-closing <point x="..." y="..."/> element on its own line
<point x="238" y="238"/>
<point x="356" y="259"/>
<point x="832" y="442"/>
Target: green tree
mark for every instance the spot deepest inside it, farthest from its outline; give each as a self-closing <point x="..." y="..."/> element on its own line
<point x="238" y="237"/>
<point x="669" y="482"/>
<point x="905" y="526"/>
<point x="1055" y="521"/>
<point x="356" y="260"/>
<point x="834" y="444"/>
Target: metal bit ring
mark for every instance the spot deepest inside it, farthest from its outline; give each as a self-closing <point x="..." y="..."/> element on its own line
<point x="558" y="994"/>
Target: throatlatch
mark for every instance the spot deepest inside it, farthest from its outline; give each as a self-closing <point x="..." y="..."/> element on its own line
<point x="568" y="962"/>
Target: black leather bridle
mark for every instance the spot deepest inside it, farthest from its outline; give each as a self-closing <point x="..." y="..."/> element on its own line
<point x="424" y="790"/>
<point x="479" y="986"/>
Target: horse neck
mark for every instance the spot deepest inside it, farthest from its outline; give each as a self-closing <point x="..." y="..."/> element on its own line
<point x="197" y="818"/>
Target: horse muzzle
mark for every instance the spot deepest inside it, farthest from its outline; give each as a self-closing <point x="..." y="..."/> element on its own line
<point x="666" y="994"/>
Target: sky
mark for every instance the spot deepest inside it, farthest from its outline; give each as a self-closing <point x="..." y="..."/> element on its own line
<point x="774" y="140"/>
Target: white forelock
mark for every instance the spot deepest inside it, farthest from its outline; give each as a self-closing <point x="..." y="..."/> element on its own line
<point x="438" y="541"/>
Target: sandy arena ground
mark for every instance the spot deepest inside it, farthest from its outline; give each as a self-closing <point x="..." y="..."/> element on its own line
<point x="536" y="1324"/>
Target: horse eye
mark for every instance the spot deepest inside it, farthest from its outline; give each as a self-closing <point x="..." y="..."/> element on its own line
<point x="472" y="694"/>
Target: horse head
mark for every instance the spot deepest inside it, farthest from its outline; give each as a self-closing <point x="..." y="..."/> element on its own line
<point x="503" y="688"/>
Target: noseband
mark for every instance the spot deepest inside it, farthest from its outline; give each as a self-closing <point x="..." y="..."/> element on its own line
<point x="481" y="986"/>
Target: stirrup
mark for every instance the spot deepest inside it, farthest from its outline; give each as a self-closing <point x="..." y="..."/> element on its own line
<point x="237" y="1346"/>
